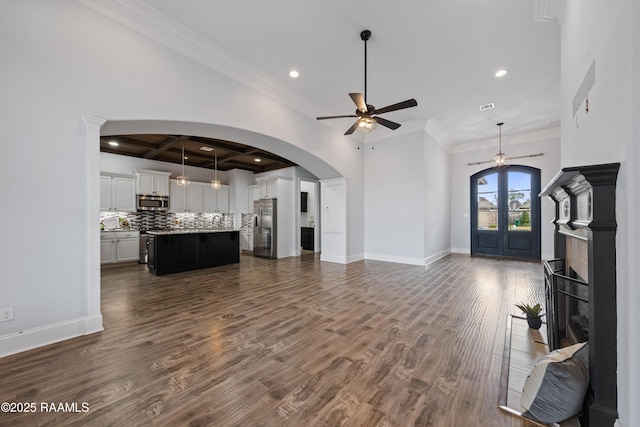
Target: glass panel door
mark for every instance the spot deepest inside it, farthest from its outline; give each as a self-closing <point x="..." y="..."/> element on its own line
<point x="487" y="202"/>
<point x="506" y="212"/>
<point x="519" y="184"/>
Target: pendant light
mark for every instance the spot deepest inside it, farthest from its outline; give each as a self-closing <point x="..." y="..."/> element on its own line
<point x="215" y="183"/>
<point x="183" y="180"/>
<point x="500" y="160"/>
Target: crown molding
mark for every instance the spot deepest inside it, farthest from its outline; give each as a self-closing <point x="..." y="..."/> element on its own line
<point x="438" y="133"/>
<point x="140" y="17"/>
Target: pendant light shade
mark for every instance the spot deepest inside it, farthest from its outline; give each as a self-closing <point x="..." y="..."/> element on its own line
<point x="500" y="160"/>
<point x="183" y="180"/>
<point x="215" y="183"/>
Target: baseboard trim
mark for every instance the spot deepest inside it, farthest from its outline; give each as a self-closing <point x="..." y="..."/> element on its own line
<point x="44" y="335"/>
<point x="396" y="259"/>
<point x="465" y="251"/>
<point x="435" y="257"/>
<point x="339" y="259"/>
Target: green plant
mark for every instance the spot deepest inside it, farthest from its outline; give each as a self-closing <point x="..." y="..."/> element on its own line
<point x="531" y="311"/>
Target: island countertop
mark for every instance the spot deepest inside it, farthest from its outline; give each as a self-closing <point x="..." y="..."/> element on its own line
<point x="190" y="231"/>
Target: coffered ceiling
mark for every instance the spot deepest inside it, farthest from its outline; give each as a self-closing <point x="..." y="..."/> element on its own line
<point x="198" y="151"/>
<point x="443" y="53"/>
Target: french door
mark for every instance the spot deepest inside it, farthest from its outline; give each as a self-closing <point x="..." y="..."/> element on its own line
<point x="505" y="212"/>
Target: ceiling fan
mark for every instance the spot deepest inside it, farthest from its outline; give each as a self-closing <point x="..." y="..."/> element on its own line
<point x="367" y="113"/>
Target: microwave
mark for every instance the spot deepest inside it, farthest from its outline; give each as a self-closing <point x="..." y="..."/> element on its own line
<point x="148" y="202"/>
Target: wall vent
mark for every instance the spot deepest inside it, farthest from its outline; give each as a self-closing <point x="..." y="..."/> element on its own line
<point x="488" y="106"/>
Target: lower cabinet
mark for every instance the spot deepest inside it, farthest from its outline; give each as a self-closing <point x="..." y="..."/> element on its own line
<point x="246" y="241"/>
<point x="307" y="238"/>
<point x="173" y="253"/>
<point x="119" y="246"/>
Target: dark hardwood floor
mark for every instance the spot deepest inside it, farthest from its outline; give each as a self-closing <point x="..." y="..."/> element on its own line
<point x="288" y="342"/>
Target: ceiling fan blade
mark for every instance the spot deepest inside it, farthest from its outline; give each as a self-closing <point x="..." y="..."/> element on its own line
<point x="352" y="129"/>
<point x="358" y="99"/>
<point x="387" y="123"/>
<point x="335" y="117"/>
<point x="399" y="106"/>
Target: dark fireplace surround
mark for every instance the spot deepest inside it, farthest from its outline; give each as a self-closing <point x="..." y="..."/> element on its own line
<point x="581" y="280"/>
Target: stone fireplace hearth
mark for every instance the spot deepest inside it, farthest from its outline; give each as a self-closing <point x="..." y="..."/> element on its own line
<point x="581" y="280"/>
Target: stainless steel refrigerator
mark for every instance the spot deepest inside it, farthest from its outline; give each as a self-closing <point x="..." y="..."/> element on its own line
<point x="265" y="229"/>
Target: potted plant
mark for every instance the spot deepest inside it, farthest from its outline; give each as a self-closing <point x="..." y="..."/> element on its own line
<point x="533" y="313"/>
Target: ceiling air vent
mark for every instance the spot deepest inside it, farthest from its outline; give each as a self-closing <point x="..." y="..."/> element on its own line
<point x="205" y="148"/>
<point x="488" y="106"/>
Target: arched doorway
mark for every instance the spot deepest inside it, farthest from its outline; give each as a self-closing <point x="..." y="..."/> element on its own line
<point x="505" y="218"/>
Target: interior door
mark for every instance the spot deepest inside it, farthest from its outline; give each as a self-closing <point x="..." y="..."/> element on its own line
<point x="505" y="208"/>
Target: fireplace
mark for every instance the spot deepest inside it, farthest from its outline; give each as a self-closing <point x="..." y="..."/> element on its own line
<point x="581" y="281"/>
<point x="567" y="301"/>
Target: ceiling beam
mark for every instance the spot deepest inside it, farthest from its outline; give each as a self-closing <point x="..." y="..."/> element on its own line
<point x="164" y="146"/>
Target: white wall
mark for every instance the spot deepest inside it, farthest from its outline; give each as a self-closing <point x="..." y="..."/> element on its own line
<point x="437" y="199"/>
<point x="394" y="198"/>
<point x="547" y="142"/>
<point x="62" y="61"/>
<point x="608" y="33"/>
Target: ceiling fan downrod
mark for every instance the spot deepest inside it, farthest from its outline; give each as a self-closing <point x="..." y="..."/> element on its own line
<point x="365" y="35"/>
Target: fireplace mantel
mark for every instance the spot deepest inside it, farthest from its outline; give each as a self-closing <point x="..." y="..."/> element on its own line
<point x="585" y="221"/>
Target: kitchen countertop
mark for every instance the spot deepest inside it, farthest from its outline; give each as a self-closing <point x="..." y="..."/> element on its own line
<point x="189" y="231"/>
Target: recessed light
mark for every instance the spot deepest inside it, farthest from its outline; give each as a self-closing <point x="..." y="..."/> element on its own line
<point x="113" y="143"/>
<point x="205" y="148"/>
<point x="500" y="73"/>
<point x="257" y="160"/>
<point x="294" y="74"/>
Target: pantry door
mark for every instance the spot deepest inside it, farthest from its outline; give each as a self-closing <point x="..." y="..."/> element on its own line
<point x="505" y="212"/>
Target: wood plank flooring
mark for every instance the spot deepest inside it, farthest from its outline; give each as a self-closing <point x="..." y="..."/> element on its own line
<point x="288" y="342"/>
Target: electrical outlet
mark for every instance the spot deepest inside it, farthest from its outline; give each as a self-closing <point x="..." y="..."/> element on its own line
<point x="6" y="313"/>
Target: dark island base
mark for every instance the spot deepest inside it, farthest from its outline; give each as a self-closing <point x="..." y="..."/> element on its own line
<point x="173" y="253"/>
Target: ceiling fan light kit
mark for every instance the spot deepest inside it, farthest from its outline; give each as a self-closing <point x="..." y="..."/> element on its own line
<point x="365" y="112"/>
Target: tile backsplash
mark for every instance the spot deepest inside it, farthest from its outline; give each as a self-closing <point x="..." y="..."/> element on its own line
<point x="163" y="220"/>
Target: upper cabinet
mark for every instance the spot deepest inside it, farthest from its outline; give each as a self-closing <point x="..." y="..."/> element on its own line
<point x="267" y="187"/>
<point x="253" y="196"/>
<point x="198" y="197"/>
<point x="216" y="200"/>
<point x="152" y="182"/>
<point x="117" y="193"/>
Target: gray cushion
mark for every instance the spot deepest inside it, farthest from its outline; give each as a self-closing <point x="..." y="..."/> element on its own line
<point x="557" y="385"/>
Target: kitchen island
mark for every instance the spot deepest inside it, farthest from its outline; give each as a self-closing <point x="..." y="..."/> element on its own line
<point x="173" y="251"/>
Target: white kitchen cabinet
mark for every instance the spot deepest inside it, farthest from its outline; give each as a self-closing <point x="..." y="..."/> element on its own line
<point x="152" y="182"/>
<point x="246" y="240"/>
<point x="177" y="198"/>
<point x="119" y="246"/>
<point x="198" y="197"/>
<point x="107" y="247"/>
<point x="192" y="198"/>
<point x="267" y="187"/>
<point x="222" y="199"/>
<point x="216" y="200"/>
<point x="253" y="196"/>
<point x="117" y="193"/>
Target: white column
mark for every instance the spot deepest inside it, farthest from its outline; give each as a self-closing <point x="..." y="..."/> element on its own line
<point x="92" y="178"/>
